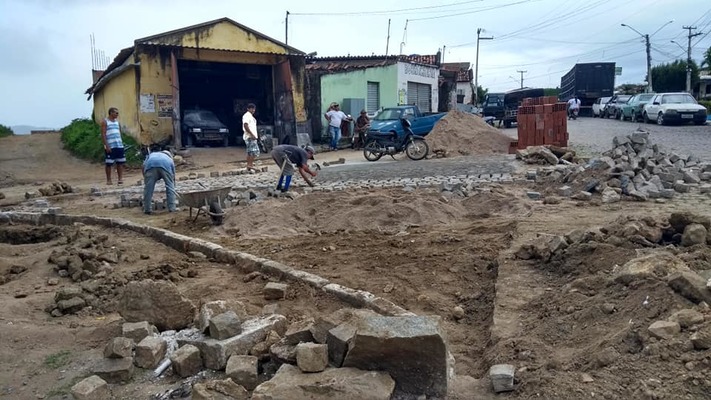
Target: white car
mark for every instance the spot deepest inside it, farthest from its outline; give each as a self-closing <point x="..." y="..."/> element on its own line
<point x="599" y="105"/>
<point x="665" y="108"/>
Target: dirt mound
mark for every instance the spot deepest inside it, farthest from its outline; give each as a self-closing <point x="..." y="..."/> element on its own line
<point x="463" y="134"/>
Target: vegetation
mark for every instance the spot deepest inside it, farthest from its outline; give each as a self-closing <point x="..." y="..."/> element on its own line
<point x="706" y="61"/>
<point x="57" y="360"/>
<point x="551" y="91"/>
<point x="5" y="131"/>
<point x="481" y="93"/>
<point x="65" y="389"/>
<point x="707" y="104"/>
<point x="672" y="77"/>
<point x="630" y="88"/>
<point x="82" y="137"/>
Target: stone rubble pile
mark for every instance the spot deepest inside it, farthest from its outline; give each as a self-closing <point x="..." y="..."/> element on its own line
<point x="634" y="169"/>
<point x="54" y="189"/>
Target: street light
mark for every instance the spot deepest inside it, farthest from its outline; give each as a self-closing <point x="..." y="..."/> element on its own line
<point x="649" y="52"/>
<point x="476" y="64"/>
<point x="680" y="46"/>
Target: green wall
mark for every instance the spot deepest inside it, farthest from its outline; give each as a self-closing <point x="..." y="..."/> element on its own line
<point x="345" y="85"/>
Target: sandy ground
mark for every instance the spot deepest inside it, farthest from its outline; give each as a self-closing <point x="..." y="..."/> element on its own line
<point x="425" y="252"/>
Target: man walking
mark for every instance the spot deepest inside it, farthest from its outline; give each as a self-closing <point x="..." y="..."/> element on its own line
<point x="284" y="155"/>
<point x="158" y="165"/>
<point x="250" y="135"/>
<point x="113" y="145"/>
<point x="335" y="117"/>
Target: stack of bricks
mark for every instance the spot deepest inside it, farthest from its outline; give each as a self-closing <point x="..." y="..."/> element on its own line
<point x="542" y="120"/>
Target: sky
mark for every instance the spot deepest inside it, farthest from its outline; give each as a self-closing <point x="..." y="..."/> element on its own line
<point x="46" y="61"/>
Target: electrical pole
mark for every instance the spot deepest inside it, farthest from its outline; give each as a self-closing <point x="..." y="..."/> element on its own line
<point x="688" y="57"/>
<point x="286" y="29"/>
<point x="476" y="64"/>
<point x="521" y="72"/>
<point x="649" y="64"/>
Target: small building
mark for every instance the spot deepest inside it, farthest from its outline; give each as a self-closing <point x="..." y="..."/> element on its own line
<point x="465" y="75"/>
<point x="219" y="66"/>
<point x="370" y="83"/>
<point x="703" y="91"/>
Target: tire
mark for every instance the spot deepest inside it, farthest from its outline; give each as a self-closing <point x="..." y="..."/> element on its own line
<point x="225" y="141"/>
<point x="217" y="215"/>
<point x="417" y="149"/>
<point x="699" y="123"/>
<point x="633" y="117"/>
<point x="646" y="119"/>
<point x="660" y="119"/>
<point x="621" y="115"/>
<point x="372" y="151"/>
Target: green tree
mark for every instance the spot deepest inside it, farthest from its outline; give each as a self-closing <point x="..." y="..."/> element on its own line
<point x="672" y="77"/>
<point x="480" y="93"/>
<point x="5" y="131"/>
<point x="706" y="61"/>
<point x="631" y="88"/>
<point x="551" y="91"/>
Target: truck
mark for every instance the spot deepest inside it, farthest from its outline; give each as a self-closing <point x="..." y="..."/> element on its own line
<point x="388" y="120"/>
<point x="589" y="81"/>
<point x="504" y="106"/>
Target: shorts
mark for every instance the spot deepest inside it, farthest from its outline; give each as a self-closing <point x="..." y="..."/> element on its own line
<point x="115" y="156"/>
<point x="252" y="148"/>
<point x="281" y="159"/>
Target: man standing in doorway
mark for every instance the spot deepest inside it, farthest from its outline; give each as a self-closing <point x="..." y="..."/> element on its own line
<point x="250" y="135"/>
<point x="113" y="145"/>
<point x="335" y="117"/>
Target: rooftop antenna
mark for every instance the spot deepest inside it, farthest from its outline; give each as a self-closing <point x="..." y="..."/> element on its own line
<point x="404" y="36"/>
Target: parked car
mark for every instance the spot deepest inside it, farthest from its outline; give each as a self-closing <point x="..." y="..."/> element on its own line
<point x="674" y="108"/>
<point x="201" y="127"/>
<point x="388" y="120"/>
<point x="614" y="106"/>
<point x="599" y="105"/>
<point x="634" y="108"/>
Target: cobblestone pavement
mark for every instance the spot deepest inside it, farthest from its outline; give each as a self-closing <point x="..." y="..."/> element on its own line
<point x="594" y="135"/>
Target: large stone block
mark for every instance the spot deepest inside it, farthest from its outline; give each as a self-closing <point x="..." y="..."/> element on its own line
<point x="664" y="329"/>
<point x="338" y="340"/>
<point x="158" y="302"/>
<point x="311" y="357"/>
<point x="186" y="361"/>
<point x="243" y="370"/>
<point x="212" y="308"/>
<point x="225" y="325"/>
<point x="658" y="265"/>
<point x="115" y="370"/>
<point x="344" y="315"/>
<point x="300" y="332"/>
<point x="290" y="383"/>
<point x="412" y="349"/>
<point x="275" y="291"/>
<point x="502" y="377"/>
<point x="219" y="390"/>
<point x="690" y="285"/>
<point x="150" y="351"/>
<point x="91" y="388"/>
<point x="119" y="347"/>
<point x="138" y="330"/>
<point x="215" y="353"/>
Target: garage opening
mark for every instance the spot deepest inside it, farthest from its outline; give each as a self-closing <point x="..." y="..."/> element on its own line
<point x="420" y="94"/>
<point x="223" y="90"/>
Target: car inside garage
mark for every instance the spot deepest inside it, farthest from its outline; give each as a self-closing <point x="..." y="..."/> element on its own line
<point x="223" y="90"/>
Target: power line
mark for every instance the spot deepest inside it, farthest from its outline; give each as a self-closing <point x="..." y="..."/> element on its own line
<point x="624" y="43"/>
<point x="474" y="12"/>
<point x="351" y="13"/>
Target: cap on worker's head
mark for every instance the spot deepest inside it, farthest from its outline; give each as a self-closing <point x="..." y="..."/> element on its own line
<point x="310" y="149"/>
<point x="167" y="152"/>
<point x="363" y="112"/>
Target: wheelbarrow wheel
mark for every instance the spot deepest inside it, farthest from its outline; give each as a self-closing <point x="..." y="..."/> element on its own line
<point x="216" y="214"/>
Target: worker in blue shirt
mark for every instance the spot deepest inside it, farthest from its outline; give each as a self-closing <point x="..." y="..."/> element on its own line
<point x="158" y="165"/>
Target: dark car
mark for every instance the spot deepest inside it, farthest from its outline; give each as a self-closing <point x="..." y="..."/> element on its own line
<point x="614" y="107"/>
<point x="202" y="127"/>
<point x="634" y="108"/>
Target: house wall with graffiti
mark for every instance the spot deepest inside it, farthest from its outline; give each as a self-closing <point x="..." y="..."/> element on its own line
<point x="418" y="73"/>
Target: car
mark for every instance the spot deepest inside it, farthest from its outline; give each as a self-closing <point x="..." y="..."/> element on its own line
<point x="634" y="108"/>
<point x="202" y="127"/>
<point x="388" y="120"/>
<point x="599" y="105"/>
<point x="613" y="107"/>
<point x="679" y="107"/>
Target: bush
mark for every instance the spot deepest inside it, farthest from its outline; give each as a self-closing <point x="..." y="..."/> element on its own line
<point x="5" y="131"/>
<point x="82" y="137"/>
<point x="707" y="104"/>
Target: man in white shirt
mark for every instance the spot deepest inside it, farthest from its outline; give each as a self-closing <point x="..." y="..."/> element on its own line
<point x="573" y="104"/>
<point x="250" y="136"/>
<point x="335" y="117"/>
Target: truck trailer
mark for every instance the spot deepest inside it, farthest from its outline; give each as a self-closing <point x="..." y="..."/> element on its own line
<point x="589" y="81"/>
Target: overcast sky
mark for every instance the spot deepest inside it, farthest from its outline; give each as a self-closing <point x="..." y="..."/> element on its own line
<point x="46" y="59"/>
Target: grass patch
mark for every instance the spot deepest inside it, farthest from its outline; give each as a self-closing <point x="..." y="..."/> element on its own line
<point x="66" y="388"/>
<point x="5" y="131"/>
<point x="82" y="137"/>
<point x="57" y="360"/>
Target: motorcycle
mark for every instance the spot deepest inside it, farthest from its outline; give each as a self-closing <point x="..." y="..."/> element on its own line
<point x="573" y="113"/>
<point x="378" y="144"/>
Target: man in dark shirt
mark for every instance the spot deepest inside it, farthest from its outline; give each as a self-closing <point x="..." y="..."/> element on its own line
<point x="284" y="155"/>
<point x="361" y="127"/>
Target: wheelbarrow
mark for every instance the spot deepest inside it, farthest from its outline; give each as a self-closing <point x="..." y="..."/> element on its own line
<point x="207" y="201"/>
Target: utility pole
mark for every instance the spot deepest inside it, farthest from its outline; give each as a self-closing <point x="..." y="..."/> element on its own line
<point x="649" y="64"/>
<point x="476" y="64"/>
<point x="286" y="29"/>
<point x="521" y="72"/>
<point x="688" y="57"/>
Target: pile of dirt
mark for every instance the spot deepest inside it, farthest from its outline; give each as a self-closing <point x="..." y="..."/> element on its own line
<point x="463" y="134"/>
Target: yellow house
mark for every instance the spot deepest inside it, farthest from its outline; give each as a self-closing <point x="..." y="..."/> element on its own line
<point x="219" y="66"/>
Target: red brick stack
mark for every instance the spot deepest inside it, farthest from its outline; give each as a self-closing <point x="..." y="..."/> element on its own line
<point x="542" y="120"/>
